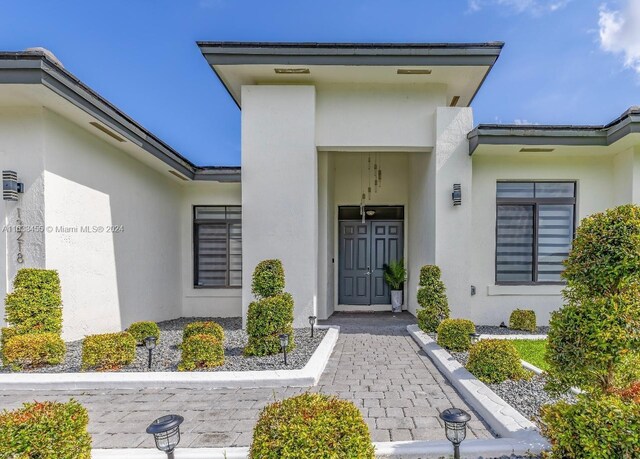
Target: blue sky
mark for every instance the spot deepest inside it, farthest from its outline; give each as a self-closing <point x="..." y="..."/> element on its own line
<point x="565" y="61"/>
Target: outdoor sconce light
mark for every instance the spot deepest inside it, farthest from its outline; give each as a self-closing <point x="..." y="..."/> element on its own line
<point x="10" y="186"/>
<point x="312" y="322"/>
<point x="455" y="427"/>
<point x="475" y="337"/>
<point x="150" y="344"/>
<point x="503" y="325"/>
<point x="166" y="433"/>
<point x="284" y="342"/>
<point x="457" y="194"/>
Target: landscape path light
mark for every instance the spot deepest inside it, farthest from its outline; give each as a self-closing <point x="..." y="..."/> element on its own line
<point x="312" y="322"/>
<point x="284" y="343"/>
<point x="166" y="433"/>
<point x="150" y="344"/>
<point x="455" y="427"/>
<point x="475" y="337"/>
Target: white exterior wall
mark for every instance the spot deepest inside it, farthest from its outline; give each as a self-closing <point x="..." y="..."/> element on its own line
<point x="205" y="302"/>
<point x="109" y="280"/>
<point x="596" y="191"/>
<point x="280" y="192"/>
<point x="626" y="166"/>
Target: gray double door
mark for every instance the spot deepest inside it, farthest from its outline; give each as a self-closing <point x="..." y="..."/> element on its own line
<point x="365" y="248"/>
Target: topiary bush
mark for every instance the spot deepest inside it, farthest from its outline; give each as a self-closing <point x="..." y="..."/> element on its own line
<point x="108" y="351"/>
<point x="47" y="430"/>
<point x="432" y="298"/>
<point x="453" y="334"/>
<point x="33" y="350"/>
<point x="311" y="426"/>
<point x="495" y="360"/>
<point x="142" y="330"/>
<point x="266" y="320"/>
<point x="35" y="305"/>
<point x="201" y="351"/>
<point x="268" y="279"/>
<point x="523" y="319"/>
<point x="603" y="427"/>
<point x="5" y="334"/>
<point x="203" y="328"/>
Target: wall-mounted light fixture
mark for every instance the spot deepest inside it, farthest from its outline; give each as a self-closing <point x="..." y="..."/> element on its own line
<point x="457" y="194"/>
<point x="10" y="186"/>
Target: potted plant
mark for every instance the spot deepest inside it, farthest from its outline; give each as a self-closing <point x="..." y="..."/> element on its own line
<point x="395" y="275"/>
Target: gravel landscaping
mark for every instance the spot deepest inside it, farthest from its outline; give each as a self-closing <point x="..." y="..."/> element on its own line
<point x="494" y="330"/>
<point x="166" y="355"/>
<point x="526" y="396"/>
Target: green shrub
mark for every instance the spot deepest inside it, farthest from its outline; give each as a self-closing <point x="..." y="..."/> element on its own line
<point x="34" y="350"/>
<point x="268" y="279"/>
<point x="46" y="430"/>
<point x="590" y="340"/>
<point x="495" y="360"/>
<point x="108" y="351"/>
<point x="523" y="319"/>
<point x="5" y="334"/>
<point x="203" y="328"/>
<point x="35" y="305"/>
<point x="453" y="334"/>
<point x="311" y="426"/>
<point x="605" y="427"/>
<point x="266" y="320"/>
<point x="395" y="274"/>
<point x="142" y="330"/>
<point x="201" y="351"/>
<point x="432" y="298"/>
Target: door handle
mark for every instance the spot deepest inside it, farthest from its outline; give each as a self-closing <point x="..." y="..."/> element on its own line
<point x="368" y="271"/>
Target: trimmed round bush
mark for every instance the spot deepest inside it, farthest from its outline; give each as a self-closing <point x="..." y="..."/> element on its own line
<point x="453" y="334"/>
<point x="311" y="426"/>
<point x="266" y="320"/>
<point x="268" y="279"/>
<point x="108" y="351"/>
<point x="34" y="350"/>
<point x="495" y="360"/>
<point x="602" y="427"/>
<point x="203" y="328"/>
<point x="142" y="330"/>
<point x="523" y="319"/>
<point x="201" y="351"/>
<point x="5" y="334"/>
<point x="45" y="430"/>
<point x="432" y="298"/>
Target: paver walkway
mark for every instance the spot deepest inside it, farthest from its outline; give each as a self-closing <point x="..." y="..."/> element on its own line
<point x="375" y="364"/>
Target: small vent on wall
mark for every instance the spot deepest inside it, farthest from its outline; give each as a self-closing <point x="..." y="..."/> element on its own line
<point x="180" y="176"/>
<point x="299" y="71"/>
<point x="454" y="101"/>
<point x="413" y="72"/>
<point x="536" y="150"/>
<point x="109" y="132"/>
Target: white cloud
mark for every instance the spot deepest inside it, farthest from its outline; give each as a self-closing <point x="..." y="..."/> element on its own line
<point x="534" y="7"/>
<point x="620" y="32"/>
<point x="520" y="122"/>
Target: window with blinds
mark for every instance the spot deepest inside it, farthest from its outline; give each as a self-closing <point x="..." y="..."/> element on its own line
<point x="217" y="246"/>
<point x="534" y="230"/>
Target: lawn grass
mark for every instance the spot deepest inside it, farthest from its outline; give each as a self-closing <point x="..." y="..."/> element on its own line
<point x="532" y="351"/>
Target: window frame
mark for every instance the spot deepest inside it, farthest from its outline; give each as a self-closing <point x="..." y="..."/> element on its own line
<point x="227" y="222"/>
<point x="534" y="202"/>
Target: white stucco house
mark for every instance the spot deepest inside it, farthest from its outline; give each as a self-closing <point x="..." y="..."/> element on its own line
<point x="350" y="154"/>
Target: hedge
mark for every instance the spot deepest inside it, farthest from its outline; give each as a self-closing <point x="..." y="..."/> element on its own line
<point x="45" y="430"/>
<point x="268" y="279"/>
<point x="432" y="298"/>
<point x="266" y="320"/>
<point x="453" y="334"/>
<point x="201" y="351"/>
<point x="311" y="426"/>
<point x="523" y="319"/>
<point x="108" y="351"/>
<point x="495" y="360"/>
<point x="33" y="350"/>
<point x="142" y="330"/>
<point x="203" y="328"/>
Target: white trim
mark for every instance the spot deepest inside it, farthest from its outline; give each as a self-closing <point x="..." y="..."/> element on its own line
<point x="514" y="337"/>
<point x="363" y="307"/>
<point x="525" y="290"/>
<point x="306" y="377"/>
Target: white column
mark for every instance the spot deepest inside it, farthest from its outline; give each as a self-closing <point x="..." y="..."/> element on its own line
<point x="279" y="189"/>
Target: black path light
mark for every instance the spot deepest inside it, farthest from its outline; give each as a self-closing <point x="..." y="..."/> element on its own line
<point x="284" y="342"/>
<point x="150" y="344"/>
<point x="166" y="433"/>
<point x="312" y="322"/>
<point x="455" y="427"/>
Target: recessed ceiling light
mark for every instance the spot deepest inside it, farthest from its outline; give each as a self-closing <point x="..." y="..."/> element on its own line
<point x="109" y="132"/>
<point x="414" y="72"/>
<point x="454" y="101"/>
<point x="536" y="150"/>
<point x="300" y="71"/>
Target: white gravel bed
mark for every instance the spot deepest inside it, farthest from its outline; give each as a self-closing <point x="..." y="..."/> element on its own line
<point x="166" y="355"/>
<point x="526" y="396"/>
<point x="495" y="330"/>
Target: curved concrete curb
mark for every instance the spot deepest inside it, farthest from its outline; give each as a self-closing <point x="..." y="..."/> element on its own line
<point x="539" y="371"/>
<point x="514" y="337"/>
<point x="501" y="417"/>
<point x="307" y="376"/>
